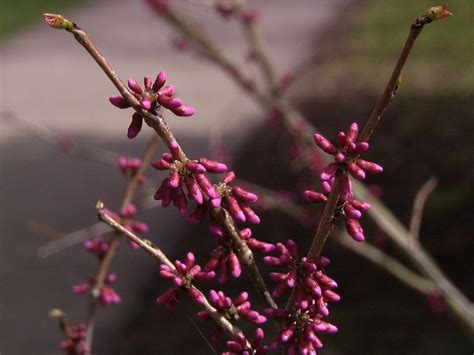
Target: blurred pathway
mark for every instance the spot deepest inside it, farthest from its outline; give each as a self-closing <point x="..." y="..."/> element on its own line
<point x="46" y="77"/>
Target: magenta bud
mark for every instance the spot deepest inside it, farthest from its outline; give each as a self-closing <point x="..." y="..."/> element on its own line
<point x="135" y="126"/>
<point x="351" y="147"/>
<point x="145" y="104"/>
<point x="354" y="229"/>
<point x="369" y="167"/>
<point x="340" y="157"/>
<point x="213" y="166"/>
<point x="353" y="132"/>
<point x="119" y="101"/>
<point x="324" y="144"/>
<point x="331" y="296"/>
<point x="167" y="91"/>
<point x="196" y="295"/>
<point x="244" y="195"/>
<point x="329" y="172"/>
<point x="351" y="212"/>
<point x="234" y="209"/>
<point x="193" y="190"/>
<point x="207" y="186"/>
<point x="345" y="188"/>
<point x="342" y="140"/>
<point x="160" y="164"/>
<point x="250" y="215"/>
<point x="133" y="85"/>
<point x="361" y="206"/>
<point x="147" y="82"/>
<point x="159" y="81"/>
<point x="184" y="111"/>
<point x="195" y="167"/>
<point x="361" y="147"/>
<point x="174" y="180"/>
<point x="174" y="149"/>
<point x="180" y="201"/>
<point x="355" y="171"/>
<point x="326" y="187"/>
<point x="229" y="177"/>
<point x="216" y="202"/>
<point x="234" y="265"/>
<point x="314" y="196"/>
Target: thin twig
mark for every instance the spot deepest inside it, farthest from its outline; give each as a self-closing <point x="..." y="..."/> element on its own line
<point x="418" y="206"/>
<point x="106" y="260"/>
<point x="158" y="254"/>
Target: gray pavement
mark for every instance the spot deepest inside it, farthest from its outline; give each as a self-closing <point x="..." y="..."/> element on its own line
<point x="48" y="79"/>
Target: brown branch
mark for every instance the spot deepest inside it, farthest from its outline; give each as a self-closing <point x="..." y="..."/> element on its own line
<point x="162" y="129"/>
<point x="106" y="260"/>
<point x="418" y="206"/>
<point x="158" y="254"/>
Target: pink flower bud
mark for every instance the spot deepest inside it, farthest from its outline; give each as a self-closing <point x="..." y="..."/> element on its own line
<point x="174" y="180"/>
<point x="229" y="177"/>
<point x="213" y="166"/>
<point x="345" y="188"/>
<point x="147" y="82"/>
<point x="119" y="101"/>
<point x="134" y="86"/>
<point x="361" y="147"/>
<point x="369" y="167"/>
<point x="354" y="229"/>
<point x="206" y="185"/>
<point x="250" y="215"/>
<point x="329" y="172"/>
<point x="135" y="126"/>
<point x="180" y="201"/>
<point x="324" y="144"/>
<point x="193" y="190"/>
<point x="355" y="171"/>
<point x="159" y="81"/>
<point x="361" y="206"/>
<point x="145" y="104"/>
<point x="184" y="111"/>
<point x="174" y="149"/>
<point x="234" y="265"/>
<point x="352" y="133"/>
<point x="160" y="164"/>
<point x="195" y="167"/>
<point x="314" y="196"/>
<point x="235" y="210"/>
<point x="244" y="195"/>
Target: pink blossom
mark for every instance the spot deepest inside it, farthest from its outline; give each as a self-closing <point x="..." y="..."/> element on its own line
<point x="239" y="346"/>
<point x="96" y="246"/>
<point x="182" y="275"/>
<point x="151" y="98"/>
<point x="107" y="293"/>
<point x="75" y="344"/>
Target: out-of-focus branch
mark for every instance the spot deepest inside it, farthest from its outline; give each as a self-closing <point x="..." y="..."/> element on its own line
<point x="60" y="141"/>
<point x="418" y="206"/>
<point x="106" y="260"/>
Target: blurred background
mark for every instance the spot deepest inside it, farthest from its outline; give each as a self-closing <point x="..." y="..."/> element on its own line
<point x="340" y="53"/>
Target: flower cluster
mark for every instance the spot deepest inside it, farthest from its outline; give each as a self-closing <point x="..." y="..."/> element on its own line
<point x="152" y="97"/>
<point x="129" y="167"/>
<point x="239" y="346"/>
<point x="96" y="246"/>
<point x="237" y="200"/>
<point x="75" y="344"/>
<point x="182" y="275"/>
<point x="107" y="293"/>
<point x="312" y="290"/>
<point x="190" y="174"/>
<point x="347" y="162"/>
<point x="232" y="310"/>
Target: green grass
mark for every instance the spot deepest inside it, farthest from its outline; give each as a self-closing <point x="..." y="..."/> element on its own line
<point x="16" y="14"/>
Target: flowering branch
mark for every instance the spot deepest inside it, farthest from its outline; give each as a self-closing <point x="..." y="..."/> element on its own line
<point x="232" y="330"/>
<point x="161" y="128"/>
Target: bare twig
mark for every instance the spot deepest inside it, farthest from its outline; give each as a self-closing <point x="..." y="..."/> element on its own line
<point x="158" y="254"/>
<point x="418" y="206"/>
